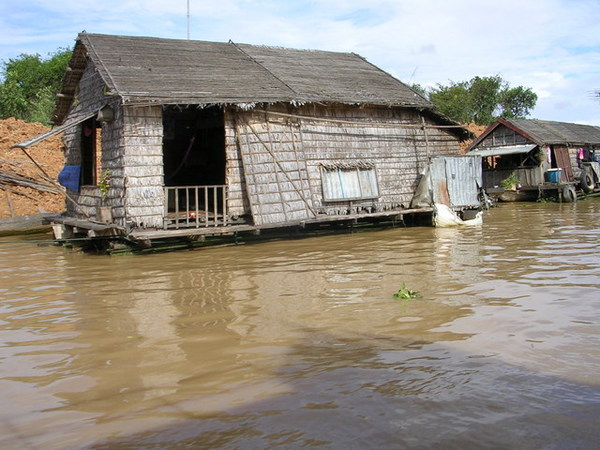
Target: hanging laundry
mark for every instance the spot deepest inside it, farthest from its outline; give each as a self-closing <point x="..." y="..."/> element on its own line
<point x="69" y="177"/>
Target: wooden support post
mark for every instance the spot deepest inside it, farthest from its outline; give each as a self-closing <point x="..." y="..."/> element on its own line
<point x="426" y="137"/>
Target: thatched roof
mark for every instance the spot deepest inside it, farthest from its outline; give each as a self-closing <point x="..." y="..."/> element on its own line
<point x="546" y="132"/>
<point x="169" y="71"/>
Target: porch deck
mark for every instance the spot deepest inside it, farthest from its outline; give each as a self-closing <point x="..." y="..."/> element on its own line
<point x="67" y="227"/>
<point x="148" y="235"/>
<point x="532" y="193"/>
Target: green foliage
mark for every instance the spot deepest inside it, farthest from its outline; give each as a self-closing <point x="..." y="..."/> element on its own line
<point x="104" y="183"/>
<point x="484" y="96"/>
<point x="482" y="100"/>
<point x="454" y="101"/>
<point x="420" y="90"/>
<point x="29" y="85"/>
<point x="517" y="102"/>
<point x="510" y="181"/>
<point x="406" y="293"/>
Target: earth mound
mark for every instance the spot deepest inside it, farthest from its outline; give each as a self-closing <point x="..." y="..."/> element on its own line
<point x="15" y="166"/>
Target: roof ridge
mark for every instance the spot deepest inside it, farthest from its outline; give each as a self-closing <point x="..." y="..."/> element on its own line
<point x="262" y="65"/>
<point x="431" y="105"/>
<point x="282" y="47"/>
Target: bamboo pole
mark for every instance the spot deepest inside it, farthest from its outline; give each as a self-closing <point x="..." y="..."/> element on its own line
<point x="279" y="189"/>
<point x="426" y="136"/>
<point x="356" y="122"/>
<point x="255" y="209"/>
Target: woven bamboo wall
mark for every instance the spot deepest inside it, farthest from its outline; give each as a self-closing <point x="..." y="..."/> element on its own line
<point x="91" y="98"/>
<point x="142" y="163"/>
<point x="131" y="148"/>
<point x="237" y="200"/>
<point x="274" y="159"/>
<point x="270" y="157"/>
<point x="277" y="174"/>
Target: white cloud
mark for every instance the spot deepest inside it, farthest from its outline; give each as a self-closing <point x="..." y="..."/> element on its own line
<point x="552" y="46"/>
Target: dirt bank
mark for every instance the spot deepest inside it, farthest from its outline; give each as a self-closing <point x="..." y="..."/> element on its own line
<point x="476" y="130"/>
<point x="18" y="201"/>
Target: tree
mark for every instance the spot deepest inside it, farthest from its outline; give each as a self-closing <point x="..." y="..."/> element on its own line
<point x="517" y="102"/>
<point x="30" y="84"/>
<point x="420" y="90"/>
<point x="453" y="101"/>
<point x="482" y="100"/>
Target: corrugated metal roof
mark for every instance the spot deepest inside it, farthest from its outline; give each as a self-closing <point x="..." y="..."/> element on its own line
<point x="508" y="150"/>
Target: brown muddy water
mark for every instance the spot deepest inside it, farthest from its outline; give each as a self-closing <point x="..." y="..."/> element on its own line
<point x="300" y="343"/>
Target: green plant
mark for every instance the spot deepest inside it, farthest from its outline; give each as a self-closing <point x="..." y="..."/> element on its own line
<point x="29" y="84"/>
<point x="482" y="100"/>
<point x="510" y="181"/>
<point x="404" y="293"/>
<point x="104" y="183"/>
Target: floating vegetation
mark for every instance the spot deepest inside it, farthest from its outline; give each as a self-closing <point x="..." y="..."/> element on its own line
<point x="406" y="293"/>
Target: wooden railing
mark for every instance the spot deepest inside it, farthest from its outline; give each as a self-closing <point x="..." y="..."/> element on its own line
<point x="195" y="206"/>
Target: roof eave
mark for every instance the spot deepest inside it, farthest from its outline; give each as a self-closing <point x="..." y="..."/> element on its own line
<point x="70" y="81"/>
<point x="501" y="121"/>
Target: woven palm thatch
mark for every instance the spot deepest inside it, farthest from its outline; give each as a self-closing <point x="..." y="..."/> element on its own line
<point x="169" y="71"/>
<point x="546" y="132"/>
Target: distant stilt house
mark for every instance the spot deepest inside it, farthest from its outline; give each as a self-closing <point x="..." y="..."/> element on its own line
<point x="194" y="138"/>
<point x="540" y="155"/>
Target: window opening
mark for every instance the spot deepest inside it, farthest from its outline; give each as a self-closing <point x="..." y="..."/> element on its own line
<point x="349" y="183"/>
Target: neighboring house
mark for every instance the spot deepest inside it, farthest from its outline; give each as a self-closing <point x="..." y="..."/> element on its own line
<point x="204" y="138"/>
<point x="539" y="152"/>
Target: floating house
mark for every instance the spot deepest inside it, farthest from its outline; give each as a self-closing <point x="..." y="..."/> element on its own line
<point x="538" y="156"/>
<point x="179" y="138"/>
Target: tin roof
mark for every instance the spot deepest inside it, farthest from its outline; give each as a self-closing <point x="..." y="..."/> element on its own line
<point x="506" y="150"/>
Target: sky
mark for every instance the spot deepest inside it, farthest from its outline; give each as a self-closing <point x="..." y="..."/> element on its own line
<point x="549" y="46"/>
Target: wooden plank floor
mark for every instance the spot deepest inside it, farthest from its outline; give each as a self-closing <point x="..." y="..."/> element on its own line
<point x="229" y="229"/>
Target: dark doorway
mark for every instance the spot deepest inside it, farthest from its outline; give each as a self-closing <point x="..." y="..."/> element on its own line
<point x="193" y="146"/>
<point x="89" y="156"/>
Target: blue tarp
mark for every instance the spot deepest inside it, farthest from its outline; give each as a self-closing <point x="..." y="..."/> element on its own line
<point x="69" y="177"/>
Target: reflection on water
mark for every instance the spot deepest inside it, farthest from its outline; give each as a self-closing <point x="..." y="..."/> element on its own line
<point x="300" y="343"/>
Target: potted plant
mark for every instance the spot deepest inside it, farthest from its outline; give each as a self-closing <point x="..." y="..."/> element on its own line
<point x="104" y="211"/>
<point x="510" y="183"/>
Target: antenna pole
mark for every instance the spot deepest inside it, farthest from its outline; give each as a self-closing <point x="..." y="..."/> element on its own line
<point x="188" y="19"/>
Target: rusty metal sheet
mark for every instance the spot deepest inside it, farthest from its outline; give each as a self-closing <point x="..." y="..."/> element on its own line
<point x="456" y="180"/>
